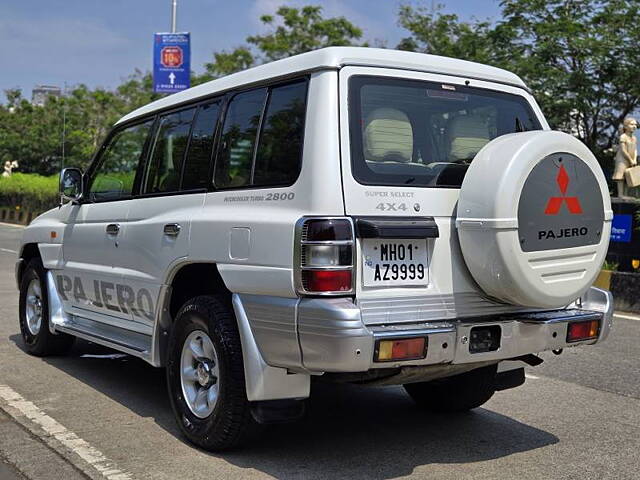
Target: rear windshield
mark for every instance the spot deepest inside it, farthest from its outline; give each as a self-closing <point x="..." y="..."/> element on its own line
<point x="406" y="132"/>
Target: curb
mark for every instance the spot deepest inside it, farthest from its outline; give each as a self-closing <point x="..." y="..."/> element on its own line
<point x="20" y="217"/>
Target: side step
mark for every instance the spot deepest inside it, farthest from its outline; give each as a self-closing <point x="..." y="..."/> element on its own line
<point x="127" y="341"/>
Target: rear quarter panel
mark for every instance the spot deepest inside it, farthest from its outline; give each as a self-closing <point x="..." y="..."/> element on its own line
<point x="264" y="218"/>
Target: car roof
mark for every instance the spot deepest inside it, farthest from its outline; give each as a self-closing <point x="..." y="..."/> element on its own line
<point x="333" y="58"/>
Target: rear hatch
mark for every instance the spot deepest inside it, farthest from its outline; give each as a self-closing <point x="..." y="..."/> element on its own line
<point x="407" y="139"/>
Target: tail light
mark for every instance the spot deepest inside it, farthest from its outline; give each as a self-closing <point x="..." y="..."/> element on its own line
<point x="324" y="256"/>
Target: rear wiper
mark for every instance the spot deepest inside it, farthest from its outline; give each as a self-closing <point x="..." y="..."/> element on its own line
<point x="410" y="180"/>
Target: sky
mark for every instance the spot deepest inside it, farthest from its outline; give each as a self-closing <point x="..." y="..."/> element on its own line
<point x="101" y="42"/>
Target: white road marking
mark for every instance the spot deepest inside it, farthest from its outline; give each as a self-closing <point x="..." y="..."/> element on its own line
<point x="84" y="450"/>
<point x="532" y="377"/>
<point x="627" y="317"/>
<point x="7" y="250"/>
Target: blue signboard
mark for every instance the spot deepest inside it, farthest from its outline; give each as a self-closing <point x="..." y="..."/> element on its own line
<point x="621" y="228"/>
<point x="171" y="62"/>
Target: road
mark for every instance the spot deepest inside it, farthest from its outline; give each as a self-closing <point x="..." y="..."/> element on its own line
<point x="97" y="415"/>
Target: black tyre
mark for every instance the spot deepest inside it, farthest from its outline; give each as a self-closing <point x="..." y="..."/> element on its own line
<point x="455" y="394"/>
<point x="34" y="315"/>
<point x="205" y="375"/>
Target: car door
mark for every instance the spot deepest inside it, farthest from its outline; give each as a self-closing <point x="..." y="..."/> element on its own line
<point x="90" y="283"/>
<point x="174" y="187"/>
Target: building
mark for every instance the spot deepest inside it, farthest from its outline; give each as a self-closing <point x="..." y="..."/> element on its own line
<point x="40" y="94"/>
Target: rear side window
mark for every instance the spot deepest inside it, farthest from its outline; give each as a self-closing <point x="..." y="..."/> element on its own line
<point x="196" y="168"/>
<point x="407" y="132"/>
<point x="262" y="137"/>
<point x="114" y="177"/>
<point x="233" y="167"/>
<point x="168" y="152"/>
<point x="280" y="147"/>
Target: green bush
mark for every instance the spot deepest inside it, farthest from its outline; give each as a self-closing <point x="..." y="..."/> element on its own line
<point x="31" y="192"/>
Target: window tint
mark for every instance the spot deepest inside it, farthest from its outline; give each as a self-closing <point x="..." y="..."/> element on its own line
<point x="233" y="166"/>
<point x="280" y="147"/>
<point x="196" y="169"/>
<point x="406" y="132"/>
<point x="168" y="151"/>
<point x="117" y="167"/>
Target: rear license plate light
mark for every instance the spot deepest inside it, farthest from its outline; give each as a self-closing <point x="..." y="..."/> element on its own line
<point x="485" y="339"/>
<point x="400" y="349"/>
<point x="578" y="331"/>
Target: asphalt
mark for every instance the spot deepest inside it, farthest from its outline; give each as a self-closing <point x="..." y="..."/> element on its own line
<point x="576" y="417"/>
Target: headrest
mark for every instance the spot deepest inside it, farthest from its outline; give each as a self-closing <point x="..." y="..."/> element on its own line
<point x="388" y="136"/>
<point x="467" y="134"/>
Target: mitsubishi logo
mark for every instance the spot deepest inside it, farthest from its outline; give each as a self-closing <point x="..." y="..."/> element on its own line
<point x="555" y="203"/>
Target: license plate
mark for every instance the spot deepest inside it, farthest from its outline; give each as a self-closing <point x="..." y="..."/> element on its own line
<point x="394" y="262"/>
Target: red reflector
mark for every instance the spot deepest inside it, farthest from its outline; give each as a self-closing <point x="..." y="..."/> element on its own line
<point x="327" y="280"/>
<point x="582" y="330"/>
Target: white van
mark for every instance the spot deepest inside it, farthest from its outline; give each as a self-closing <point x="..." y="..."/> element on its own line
<point x="362" y="215"/>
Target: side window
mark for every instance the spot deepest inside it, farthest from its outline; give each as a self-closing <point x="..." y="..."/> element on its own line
<point x="115" y="175"/>
<point x="280" y="148"/>
<point x="233" y="166"/>
<point x="168" y="152"/>
<point x="196" y="169"/>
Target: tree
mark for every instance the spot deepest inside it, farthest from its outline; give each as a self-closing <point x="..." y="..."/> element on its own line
<point x="434" y="32"/>
<point x="302" y="30"/>
<point x="30" y="135"/>
<point x="576" y="56"/>
<point x="14" y="96"/>
<point x="225" y="63"/>
<point x="573" y="54"/>
<point x="298" y="30"/>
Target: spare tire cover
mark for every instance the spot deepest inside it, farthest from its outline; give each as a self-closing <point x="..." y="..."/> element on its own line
<point x="534" y="219"/>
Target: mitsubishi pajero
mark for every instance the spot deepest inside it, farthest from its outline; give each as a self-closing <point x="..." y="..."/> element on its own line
<point x="349" y="214"/>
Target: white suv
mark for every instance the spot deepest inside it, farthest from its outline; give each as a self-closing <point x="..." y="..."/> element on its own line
<point x="365" y="215"/>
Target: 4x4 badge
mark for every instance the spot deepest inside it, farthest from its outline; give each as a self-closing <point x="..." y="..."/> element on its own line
<point x="555" y="203"/>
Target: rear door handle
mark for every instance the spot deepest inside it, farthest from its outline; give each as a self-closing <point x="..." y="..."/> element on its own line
<point x="113" y="229"/>
<point x="172" y="229"/>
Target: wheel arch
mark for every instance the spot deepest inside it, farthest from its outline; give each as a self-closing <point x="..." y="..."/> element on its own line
<point x="183" y="282"/>
<point x="28" y="252"/>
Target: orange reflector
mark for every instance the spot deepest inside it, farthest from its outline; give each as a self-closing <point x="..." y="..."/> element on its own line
<point x="54" y="234"/>
<point x="583" y="330"/>
<point x="400" y="349"/>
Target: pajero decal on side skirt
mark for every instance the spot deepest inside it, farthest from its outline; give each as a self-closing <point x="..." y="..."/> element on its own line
<point x="560" y="206"/>
<point x="112" y="296"/>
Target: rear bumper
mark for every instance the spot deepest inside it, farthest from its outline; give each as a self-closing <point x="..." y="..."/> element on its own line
<point x="330" y="336"/>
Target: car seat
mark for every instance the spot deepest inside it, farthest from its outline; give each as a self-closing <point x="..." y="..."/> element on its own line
<point x="388" y="136"/>
<point x="466" y="135"/>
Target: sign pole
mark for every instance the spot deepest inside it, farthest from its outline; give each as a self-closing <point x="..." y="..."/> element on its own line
<point x="171" y="58"/>
<point x="174" y="11"/>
